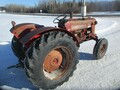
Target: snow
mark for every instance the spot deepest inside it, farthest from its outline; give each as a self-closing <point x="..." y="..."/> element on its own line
<point x="104" y="26"/>
<point x="90" y="73"/>
<point x="105" y="13"/>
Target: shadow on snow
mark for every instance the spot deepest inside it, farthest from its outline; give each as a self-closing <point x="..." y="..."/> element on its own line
<point x="14" y="77"/>
<point x="85" y="56"/>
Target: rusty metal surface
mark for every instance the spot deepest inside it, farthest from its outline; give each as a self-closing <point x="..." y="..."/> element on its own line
<point x="21" y="29"/>
<point x="27" y="31"/>
<point x="84" y="29"/>
<point x="56" y="64"/>
<point x="52" y="61"/>
<point x="42" y="30"/>
<point x="77" y="24"/>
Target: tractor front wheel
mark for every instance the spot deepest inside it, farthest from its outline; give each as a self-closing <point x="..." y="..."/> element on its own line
<point x="100" y="48"/>
<point x="51" y="60"/>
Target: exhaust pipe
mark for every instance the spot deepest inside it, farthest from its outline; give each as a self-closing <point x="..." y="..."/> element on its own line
<point x="83" y="9"/>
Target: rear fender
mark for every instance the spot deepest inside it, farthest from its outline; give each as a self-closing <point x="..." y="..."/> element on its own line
<point x="38" y="32"/>
<point x="21" y="30"/>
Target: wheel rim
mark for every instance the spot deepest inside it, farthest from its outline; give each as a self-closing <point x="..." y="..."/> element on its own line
<point x="102" y="49"/>
<point x="57" y="63"/>
<point x="52" y="61"/>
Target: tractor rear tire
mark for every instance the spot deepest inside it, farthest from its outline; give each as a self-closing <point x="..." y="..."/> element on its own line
<point x="18" y="49"/>
<point x="51" y="60"/>
<point x="100" y="48"/>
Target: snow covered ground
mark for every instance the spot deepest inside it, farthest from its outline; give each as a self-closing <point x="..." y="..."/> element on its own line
<point x="90" y="73"/>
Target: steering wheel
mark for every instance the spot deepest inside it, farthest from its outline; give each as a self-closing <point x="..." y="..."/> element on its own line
<point x="60" y="17"/>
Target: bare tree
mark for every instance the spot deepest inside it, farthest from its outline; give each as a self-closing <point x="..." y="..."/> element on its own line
<point x="55" y="6"/>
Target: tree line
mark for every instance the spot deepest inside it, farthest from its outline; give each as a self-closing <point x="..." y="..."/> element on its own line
<point x="54" y="6"/>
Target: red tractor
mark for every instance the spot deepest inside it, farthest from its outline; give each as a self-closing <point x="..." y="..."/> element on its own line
<point x="49" y="54"/>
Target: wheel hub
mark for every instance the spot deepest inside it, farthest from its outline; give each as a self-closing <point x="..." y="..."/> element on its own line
<point x="102" y="50"/>
<point x="52" y="61"/>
